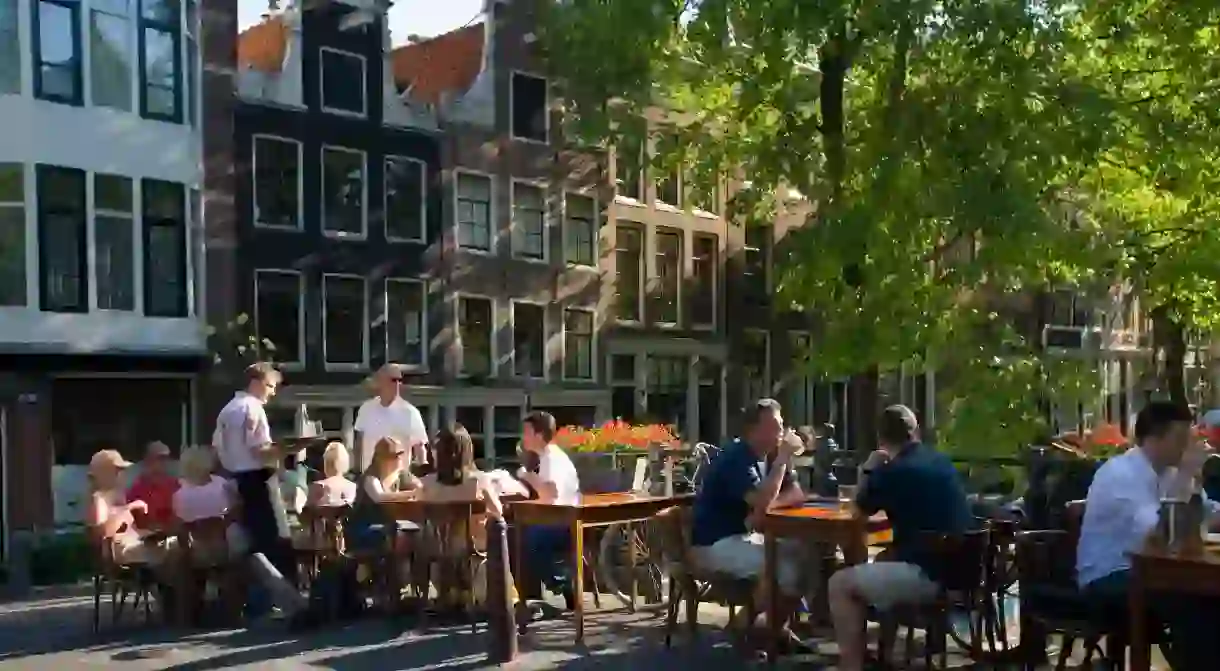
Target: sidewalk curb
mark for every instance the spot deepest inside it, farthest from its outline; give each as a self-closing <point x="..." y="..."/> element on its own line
<point x="10" y="594"/>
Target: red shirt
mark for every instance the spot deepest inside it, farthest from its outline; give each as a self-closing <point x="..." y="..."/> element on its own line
<point x="158" y="493"/>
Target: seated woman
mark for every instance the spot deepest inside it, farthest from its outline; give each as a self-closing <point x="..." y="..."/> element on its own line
<point x="109" y="514"/>
<point x="334" y="489"/>
<point x="383" y="482"/>
<point x="203" y="495"/>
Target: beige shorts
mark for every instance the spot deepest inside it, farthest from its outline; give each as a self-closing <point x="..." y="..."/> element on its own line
<point x="745" y="557"/>
<point x="885" y="584"/>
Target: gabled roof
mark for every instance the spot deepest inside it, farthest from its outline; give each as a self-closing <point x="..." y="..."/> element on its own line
<point x="262" y="47"/>
<point x="442" y="64"/>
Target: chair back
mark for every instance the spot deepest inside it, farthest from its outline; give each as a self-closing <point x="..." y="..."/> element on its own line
<point x="324" y="524"/>
<point x="673" y="525"/>
<point x="962" y="557"/>
<point x="1046" y="557"/>
<point x="205" y="542"/>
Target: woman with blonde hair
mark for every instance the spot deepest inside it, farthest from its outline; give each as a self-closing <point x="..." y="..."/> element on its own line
<point x="334" y="489"/>
<point x="383" y="482"/>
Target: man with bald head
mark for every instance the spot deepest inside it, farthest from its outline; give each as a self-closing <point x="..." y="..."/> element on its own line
<point x="389" y="415"/>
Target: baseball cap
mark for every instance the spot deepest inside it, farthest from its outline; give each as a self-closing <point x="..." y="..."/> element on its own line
<point x="107" y="459"/>
<point x="156" y="449"/>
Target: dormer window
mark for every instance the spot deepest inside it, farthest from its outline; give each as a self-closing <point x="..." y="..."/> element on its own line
<point x="344" y="87"/>
<point x="530" y="118"/>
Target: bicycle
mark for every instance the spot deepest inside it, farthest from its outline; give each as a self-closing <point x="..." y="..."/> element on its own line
<point x="618" y="540"/>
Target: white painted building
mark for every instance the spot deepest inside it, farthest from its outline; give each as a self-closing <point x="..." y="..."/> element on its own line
<point x="100" y="167"/>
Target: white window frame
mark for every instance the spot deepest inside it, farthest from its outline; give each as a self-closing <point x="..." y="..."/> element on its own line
<point x="666" y="206"/>
<point x="422" y="367"/>
<point x="457" y="324"/>
<point x="546" y="220"/>
<point x="716" y="283"/>
<point x="656" y="260"/>
<point x="493" y="233"/>
<point x="364" y="362"/>
<point x="546" y="107"/>
<point x="563" y="329"/>
<point x="133" y="44"/>
<point x="563" y="232"/>
<point x="385" y="197"/>
<point x="137" y="233"/>
<point x="364" y="197"/>
<point x="642" y="282"/>
<point x="546" y="338"/>
<point x="364" y="84"/>
<point x="300" y="225"/>
<point x="287" y="365"/>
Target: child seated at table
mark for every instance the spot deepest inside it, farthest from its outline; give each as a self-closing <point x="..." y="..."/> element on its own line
<point x="334" y="489"/>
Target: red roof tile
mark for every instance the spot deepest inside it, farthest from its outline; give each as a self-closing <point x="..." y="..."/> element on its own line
<point x="448" y="62"/>
<point x="262" y="47"/>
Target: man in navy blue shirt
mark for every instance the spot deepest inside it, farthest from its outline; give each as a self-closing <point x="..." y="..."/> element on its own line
<point x="921" y="492"/>
<point x="750" y="476"/>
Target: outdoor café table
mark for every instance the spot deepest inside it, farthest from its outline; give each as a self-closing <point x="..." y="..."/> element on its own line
<point x="826" y="522"/>
<point x="1195" y="571"/>
<point x="593" y="510"/>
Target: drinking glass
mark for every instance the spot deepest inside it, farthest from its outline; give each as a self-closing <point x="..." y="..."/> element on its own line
<point x="847" y="494"/>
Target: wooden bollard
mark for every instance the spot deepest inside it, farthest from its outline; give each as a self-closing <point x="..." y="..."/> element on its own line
<point x="500" y="615"/>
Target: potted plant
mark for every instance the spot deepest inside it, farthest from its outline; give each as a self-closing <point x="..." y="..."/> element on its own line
<point x="605" y="455"/>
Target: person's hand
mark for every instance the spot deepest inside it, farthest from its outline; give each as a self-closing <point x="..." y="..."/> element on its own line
<point x="521" y="473"/>
<point x="877" y="458"/>
<point x="1193" y="460"/>
<point x="789" y="446"/>
<point x="137" y="507"/>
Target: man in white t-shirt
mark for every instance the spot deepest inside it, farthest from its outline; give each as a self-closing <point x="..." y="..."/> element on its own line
<point x="387" y="414"/>
<point x="556" y="482"/>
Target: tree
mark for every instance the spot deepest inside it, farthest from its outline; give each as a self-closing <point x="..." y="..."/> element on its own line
<point x="939" y="143"/>
<point x="237" y="345"/>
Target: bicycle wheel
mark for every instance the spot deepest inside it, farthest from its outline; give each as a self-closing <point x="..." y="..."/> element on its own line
<point x="614" y="566"/>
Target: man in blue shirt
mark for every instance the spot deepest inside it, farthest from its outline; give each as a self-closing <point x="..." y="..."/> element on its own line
<point x="921" y="492"/>
<point x="750" y="476"/>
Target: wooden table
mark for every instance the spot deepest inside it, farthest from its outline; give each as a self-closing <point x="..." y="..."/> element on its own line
<point x="593" y="510"/>
<point x="1157" y="570"/>
<point x="829" y="523"/>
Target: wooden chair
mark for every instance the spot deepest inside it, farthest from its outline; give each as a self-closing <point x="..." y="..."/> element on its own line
<point x="121" y="580"/>
<point x="687" y="583"/>
<point x="448" y="546"/>
<point x="205" y="557"/>
<point x="323" y="539"/>
<point x="999" y="579"/>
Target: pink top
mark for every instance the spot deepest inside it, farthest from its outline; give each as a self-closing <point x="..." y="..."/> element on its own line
<point x="197" y="502"/>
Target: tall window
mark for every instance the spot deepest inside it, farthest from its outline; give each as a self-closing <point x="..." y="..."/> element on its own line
<point x="580" y="230"/>
<point x="475" y="332"/>
<point x="344" y="322"/>
<point x="10" y="48"/>
<point x="277" y="182"/>
<point x="529" y="108"/>
<point x="578" y="344"/>
<point x="57" y="51"/>
<point x="279" y="317"/>
<point x="110" y="53"/>
<point x="669" y="277"/>
<point x="755" y="363"/>
<point x="114" y="242"/>
<point x="474" y="212"/>
<point x="62" y="243"/>
<point x="629" y="169"/>
<point x="669" y="188"/>
<point x="756" y="256"/>
<point x="800" y="384"/>
<point x="529" y="221"/>
<point x="667" y="390"/>
<point x="405" y="198"/>
<point x="343" y="192"/>
<point x="529" y="340"/>
<point x="629" y="260"/>
<point x="406" y="327"/>
<point x="164" y="249"/>
<point x="344" y="82"/>
<point x="12" y="233"/>
<point x="192" y="62"/>
<point x="705" y="262"/>
<point x="161" y="59"/>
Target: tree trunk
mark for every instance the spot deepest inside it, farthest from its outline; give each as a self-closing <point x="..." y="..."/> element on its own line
<point x="1169" y="341"/>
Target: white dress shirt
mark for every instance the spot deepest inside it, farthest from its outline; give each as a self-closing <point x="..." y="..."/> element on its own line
<point x="241" y="427"/>
<point x="1121" y="511"/>
<point x="399" y="420"/>
<point x="555" y="466"/>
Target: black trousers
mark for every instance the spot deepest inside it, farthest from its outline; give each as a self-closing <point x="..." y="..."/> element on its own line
<point x="258" y="520"/>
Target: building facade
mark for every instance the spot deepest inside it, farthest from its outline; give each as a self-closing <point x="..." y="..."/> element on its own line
<point x="99" y="248"/>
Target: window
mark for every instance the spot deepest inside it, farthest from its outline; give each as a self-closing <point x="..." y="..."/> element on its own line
<point x="343" y="192"/>
<point x="12" y="234"/>
<point x="405" y="199"/>
<point x="756" y="253"/>
<point x="192" y="62"/>
<point x="705" y="198"/>
<point x="114" y="242"/>
<point x="529" y="108"/>
<point x="475" y="330"/>
<point x="344" y="325"/>
<point x="164" y="249"/>
<point x="669" y="277"/>
<point x="755" y="364"/>
<point x="623" y="387"/>
<point x="629" y="169"/>
<point x="529" y="340"/>
<point x="705" y="264"/>
<point x="580" y="230"/>
<point x="709" y="373"/>
<point x="1068" y="308"/>
<point x="57" y="51"/>
<point x="669" y="188"/>
<point x="667" y="390"/>
<point x="800" y="385"/>
<point x="472" y="418"/>
<point x="343" y="82"/>
<point x="578" y="344"/>
<point x="506" y="423"/>
<point x="161" y="60"/>
<point x="629" y="257"/>
<point x="279" y="314"/>
<point x="62" y="244"/>
<point x="474" y="212"/>
<point x="529" y="221"/>
<point x="10" y="48"/>
<point x="277" y="182"/>
<point x="406" y="328"/>
<point x="110" y="53"/>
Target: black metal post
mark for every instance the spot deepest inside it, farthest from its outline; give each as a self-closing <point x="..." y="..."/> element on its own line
<point x="500" y="615"/>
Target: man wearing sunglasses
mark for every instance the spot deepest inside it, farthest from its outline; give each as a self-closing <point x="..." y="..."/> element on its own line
<point x="389" y="415"/>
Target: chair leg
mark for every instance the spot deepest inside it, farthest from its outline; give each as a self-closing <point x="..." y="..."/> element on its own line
<point x="118" y="599"/>
<point x="98" y="585"/>
<point x="1001" y="615"/>
<point x="691" y="593"/>
<point x="1065" y="651"/>
<point x="671" y="614"/>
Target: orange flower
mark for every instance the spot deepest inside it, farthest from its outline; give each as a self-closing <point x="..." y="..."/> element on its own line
<point x="614" y="434"/>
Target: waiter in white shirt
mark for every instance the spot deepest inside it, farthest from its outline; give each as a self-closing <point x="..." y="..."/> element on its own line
<point x="243" y="446"/>
<point x="388" y="414"/>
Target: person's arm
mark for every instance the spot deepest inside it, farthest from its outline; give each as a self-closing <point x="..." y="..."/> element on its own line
<point x="760" y="495"/>
<point x="109" y="519"/>
<point x="491" y="498"/>
<point x="377" y="492"/>
<point x="790" y="493"/>
<point x="870" y="483"/>
<point x="316" y="491"/>
<point x="258" y="435"/>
